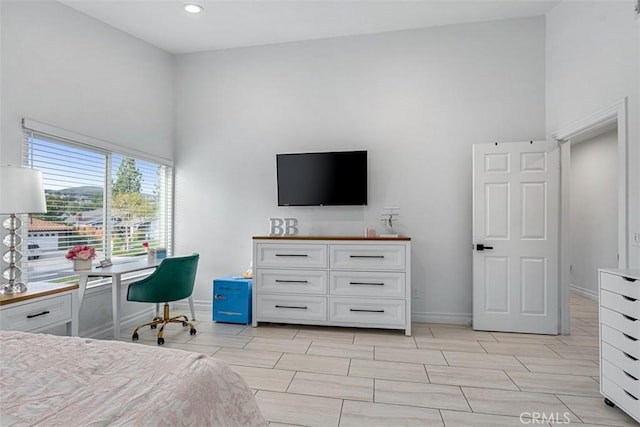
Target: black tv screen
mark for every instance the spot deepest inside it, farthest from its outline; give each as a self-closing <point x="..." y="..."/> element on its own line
<point x="336" y="178"/>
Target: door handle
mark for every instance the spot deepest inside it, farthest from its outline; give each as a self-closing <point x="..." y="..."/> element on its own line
<point x="481" y="247"/>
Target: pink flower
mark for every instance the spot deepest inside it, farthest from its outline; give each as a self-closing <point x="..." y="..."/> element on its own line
<point x="145" y="244"/>
<point x="82" y="252"/>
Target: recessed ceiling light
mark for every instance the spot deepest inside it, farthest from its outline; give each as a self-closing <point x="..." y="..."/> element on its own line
<point x="193" y="8"/>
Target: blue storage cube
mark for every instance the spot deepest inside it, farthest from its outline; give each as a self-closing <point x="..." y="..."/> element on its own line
<point x="232" y="300"/>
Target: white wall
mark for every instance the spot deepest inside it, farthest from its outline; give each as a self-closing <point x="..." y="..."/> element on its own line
<point x="66" y="69"/>
<point x="71" y="71"/>
<point x="416" y="100"/>
<point x="593" y="210"/>
<point x="593" y="60"/>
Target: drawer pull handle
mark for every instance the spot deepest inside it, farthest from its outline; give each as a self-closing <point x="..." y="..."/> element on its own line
<point x="629" y="279"/>
<point x="367" y="256"/>
<point x="294" y="255"/>
<point x="366" y="311"/>
<point x="629" y="337"/>
<point x="629" y="298"/>
<point x="630" y="376"/>
<point x="633" y="319"/>
<point x="31" y="316"/>
<point x="304" y="307"/>
<point x="291" y="281"/>
<point x="630" y="395"/>
<point x="366" y="284"/>
<point x="629" y="356"/>
<point x="220" y="297"/>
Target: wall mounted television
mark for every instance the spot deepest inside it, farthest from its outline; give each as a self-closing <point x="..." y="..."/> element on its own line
<point x="337" y="178"/>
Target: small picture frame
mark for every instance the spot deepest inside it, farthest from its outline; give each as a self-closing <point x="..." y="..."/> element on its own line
<point x="106" y="263"/>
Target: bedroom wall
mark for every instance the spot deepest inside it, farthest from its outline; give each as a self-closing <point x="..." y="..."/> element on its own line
<point x="593" y="60"/>
<point x="71" y="71"/>
<point x="593" y="210"/>
<point x="416" y="100"/>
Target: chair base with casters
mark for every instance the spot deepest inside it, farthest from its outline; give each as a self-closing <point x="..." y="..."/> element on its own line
<point x="172" y="280"/>
<point x="164" y="321"/>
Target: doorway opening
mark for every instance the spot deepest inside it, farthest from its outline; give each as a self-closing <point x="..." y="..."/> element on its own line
<point x="608" y="124"/>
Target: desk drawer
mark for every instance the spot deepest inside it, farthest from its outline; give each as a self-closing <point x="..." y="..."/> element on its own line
<point x="292" y="308"/>
<point x="624" y="379"/>
<point x="292" y="281"/>
<point x="291" y="255"/>
<point x="32" y="316"/>
<point x="620" y="303"/>
<point x="620" y="284"/>
<point x="622" y="322"/>
<point x="621" y="359"/>
<point x="621" y="397"/>
<point x="368" y="284"/>
<point x="367" y="311"/>
<point x="369" y="257"/>
<point x="619" y="340"/>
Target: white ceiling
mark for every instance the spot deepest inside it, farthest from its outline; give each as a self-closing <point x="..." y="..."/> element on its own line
<point x="228" y="24"/>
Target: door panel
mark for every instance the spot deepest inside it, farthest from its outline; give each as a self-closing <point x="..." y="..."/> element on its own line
<point x="515" y="217"/>
<point x="497" y="280"/>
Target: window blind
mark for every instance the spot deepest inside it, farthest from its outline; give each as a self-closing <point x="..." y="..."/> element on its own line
<point x="111" y="201"/>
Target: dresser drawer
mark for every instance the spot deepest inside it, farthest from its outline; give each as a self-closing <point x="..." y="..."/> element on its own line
<point x="291" y="255"/>
<point x="622" y="322"/>
<point x="624" y="379"/>
<point x="620" y="303"/>
<point x="367" y="311"/>
<point x="620" y="284"/>
<point x="292" y="281"/>
<point x="619" y="340"/>
<point x="622" y="398"/>
<point x="621" y="359"/>
<point x="367" y="257"/>
<point x="32" y="316"/>
<point x="292" y="308"/>
<point x="368" y="284"/>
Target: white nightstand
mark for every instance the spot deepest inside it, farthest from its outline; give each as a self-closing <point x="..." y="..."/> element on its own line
<point x="44" y="305"/>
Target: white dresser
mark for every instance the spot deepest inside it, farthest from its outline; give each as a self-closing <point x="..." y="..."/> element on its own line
<point x="338" y="281"/>
<point x="43" y="306"/>
<point x="620" y="339"/>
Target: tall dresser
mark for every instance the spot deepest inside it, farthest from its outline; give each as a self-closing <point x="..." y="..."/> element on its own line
<point x="619" y="292"/>
<point x="337" y="281"/>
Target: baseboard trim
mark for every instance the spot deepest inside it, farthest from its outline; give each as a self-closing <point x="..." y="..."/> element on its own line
<point x="584" y="292"/>
<point x="130" y="321"/>
<point x="198" y="305"/>
<point x="450" y="318"/>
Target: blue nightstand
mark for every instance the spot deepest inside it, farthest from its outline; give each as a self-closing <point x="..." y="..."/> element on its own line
<point x="232" y="300"/>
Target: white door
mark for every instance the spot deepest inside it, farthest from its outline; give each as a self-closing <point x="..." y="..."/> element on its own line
<point x="515" y="236"/>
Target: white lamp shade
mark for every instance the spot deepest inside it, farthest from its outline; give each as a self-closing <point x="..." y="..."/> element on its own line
<point x="21" y="190"/>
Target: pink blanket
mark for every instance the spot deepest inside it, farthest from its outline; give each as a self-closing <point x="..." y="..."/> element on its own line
<point x="70" y="381"/>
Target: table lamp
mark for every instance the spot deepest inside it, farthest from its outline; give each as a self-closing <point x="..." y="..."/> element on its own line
<point x="21" y="192"/>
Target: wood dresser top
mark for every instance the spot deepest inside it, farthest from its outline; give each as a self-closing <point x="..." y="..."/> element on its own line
<point x="362" y="238"/>
<point x="36" y="290"/>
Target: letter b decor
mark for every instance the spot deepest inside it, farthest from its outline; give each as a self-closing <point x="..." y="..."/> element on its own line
<point x="283" y="226"/>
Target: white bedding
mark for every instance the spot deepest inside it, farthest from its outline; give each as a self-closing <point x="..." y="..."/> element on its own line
<point x="70" y="381"/>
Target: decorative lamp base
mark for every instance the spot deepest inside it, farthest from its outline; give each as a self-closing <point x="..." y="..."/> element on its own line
<point x="12" y="288"/>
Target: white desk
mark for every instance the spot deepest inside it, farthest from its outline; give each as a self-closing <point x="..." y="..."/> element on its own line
<point x="115" y="272"/>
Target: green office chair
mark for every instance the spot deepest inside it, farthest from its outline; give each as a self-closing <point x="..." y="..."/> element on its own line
<point x="173" y="280"/>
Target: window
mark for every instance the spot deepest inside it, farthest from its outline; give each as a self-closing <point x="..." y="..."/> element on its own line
<point x="96" y="196"/>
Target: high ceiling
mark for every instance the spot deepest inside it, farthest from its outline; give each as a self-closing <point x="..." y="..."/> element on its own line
<point x="237" y="23"/>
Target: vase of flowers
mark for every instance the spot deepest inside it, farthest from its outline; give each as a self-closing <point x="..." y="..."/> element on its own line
<point x="81" y="255"/>
<point x="151" y="253"/>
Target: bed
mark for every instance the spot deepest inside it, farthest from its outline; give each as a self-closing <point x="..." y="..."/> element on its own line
<point x="70" y="381"/>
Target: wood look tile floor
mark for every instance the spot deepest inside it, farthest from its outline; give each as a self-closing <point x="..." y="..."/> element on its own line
<point x="443" y="375"/>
